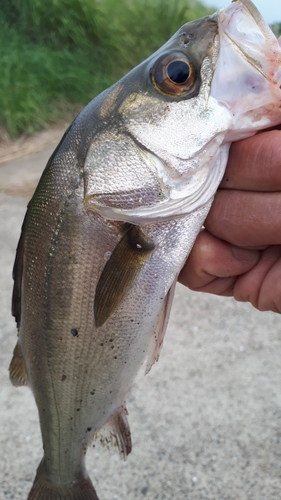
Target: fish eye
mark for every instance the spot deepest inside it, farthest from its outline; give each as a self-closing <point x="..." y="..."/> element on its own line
<point x="173" y="75"/>
<point x="178" y="72"/>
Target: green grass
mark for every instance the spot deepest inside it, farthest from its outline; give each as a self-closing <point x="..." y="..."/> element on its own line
<point x="40" y="85"/>
<point x="56" y="55"/>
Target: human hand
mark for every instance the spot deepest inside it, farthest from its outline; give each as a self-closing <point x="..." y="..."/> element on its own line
<point x="239" y="252"/>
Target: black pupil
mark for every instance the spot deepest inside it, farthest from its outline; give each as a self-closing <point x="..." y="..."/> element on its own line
<point x="178" y="71"/>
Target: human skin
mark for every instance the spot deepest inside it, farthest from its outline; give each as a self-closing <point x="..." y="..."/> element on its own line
<point x="238" y="253"/>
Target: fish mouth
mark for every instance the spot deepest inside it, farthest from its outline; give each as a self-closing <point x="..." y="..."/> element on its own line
<point x="247" y="78"/>
<point x="256" y="15"/>
<point x="244" y="27"/>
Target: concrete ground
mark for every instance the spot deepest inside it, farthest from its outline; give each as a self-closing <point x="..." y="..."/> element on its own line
<point x="205" y="422"/>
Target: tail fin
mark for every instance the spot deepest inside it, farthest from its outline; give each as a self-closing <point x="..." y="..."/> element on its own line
<point x="42" y="489"/>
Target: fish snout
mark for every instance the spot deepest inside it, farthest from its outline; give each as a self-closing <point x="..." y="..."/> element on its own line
<point x="247" y="79"/>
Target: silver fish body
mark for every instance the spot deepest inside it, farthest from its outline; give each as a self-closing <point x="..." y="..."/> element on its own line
<point x="112" y="221"/>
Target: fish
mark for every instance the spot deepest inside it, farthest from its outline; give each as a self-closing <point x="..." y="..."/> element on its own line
<point x="112" y="221"/>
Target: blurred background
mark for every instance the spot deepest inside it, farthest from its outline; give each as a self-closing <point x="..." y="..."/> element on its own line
<point x="56" y="55"/>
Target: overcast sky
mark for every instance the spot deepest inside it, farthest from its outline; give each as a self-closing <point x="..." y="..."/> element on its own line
<point x="270" y="9"/>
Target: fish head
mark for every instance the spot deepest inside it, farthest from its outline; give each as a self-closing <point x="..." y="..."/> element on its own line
<point x="215" y="81"/>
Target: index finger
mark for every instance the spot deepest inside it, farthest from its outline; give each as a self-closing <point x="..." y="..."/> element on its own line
<point x="255" y="164"/>
<point x="245" y="219"/>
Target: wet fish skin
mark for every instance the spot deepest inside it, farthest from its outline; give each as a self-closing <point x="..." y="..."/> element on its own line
<point x="128" y="189"/>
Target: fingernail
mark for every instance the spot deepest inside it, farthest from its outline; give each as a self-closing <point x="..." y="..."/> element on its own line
<point x="245" y="255"/>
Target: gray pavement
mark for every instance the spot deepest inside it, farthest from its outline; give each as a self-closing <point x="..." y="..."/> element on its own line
<point x="205" y="422"/>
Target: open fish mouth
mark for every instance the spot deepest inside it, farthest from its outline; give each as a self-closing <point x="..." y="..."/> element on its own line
<point x="247" y="79"/>
<point x="243" y="26"/>
<point x="256" y="15"/>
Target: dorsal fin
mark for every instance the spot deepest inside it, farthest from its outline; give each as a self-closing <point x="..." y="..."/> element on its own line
<point x="18" y="375"/>
<point x="17" y="276"/>
<point x="18" y="264"/>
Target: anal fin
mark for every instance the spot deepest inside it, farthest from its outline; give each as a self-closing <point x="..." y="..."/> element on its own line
<point x="18" y="375"/>
<point x="117" y="433"/>
<point x="122" y="433"/>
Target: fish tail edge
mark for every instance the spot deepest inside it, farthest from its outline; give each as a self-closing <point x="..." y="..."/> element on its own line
<point x="43" y="489"/>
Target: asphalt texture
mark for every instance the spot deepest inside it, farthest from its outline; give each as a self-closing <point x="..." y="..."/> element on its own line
<point x="205" y="422"/>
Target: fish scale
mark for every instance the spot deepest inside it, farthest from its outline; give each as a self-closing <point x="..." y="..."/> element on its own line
<point x="112" y="221"/>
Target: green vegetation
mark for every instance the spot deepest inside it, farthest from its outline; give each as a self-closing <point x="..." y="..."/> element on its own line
<point x="56" y="55"/>
<point x="276" y="28"/>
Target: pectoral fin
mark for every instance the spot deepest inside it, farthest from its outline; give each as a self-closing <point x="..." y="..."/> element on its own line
<point x="120" y="272"/>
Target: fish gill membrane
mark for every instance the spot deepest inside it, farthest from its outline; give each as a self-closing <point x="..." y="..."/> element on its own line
<point x="110" y="225"/>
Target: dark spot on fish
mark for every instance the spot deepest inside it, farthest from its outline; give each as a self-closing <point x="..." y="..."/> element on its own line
<point x="63" y="378"/>
<point x="74" y="332"/>
<point x="101" y="345"/>
<point x="110" y="340"/>
<point x="115" y="357"/>
<point x="112" y="347"/>
<point x="78" y="409"/>
<point x="144" y="490"/>
<point x="93" y="392"/>
<point x="132" y="320"/>
<point x="89" y="429"/>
